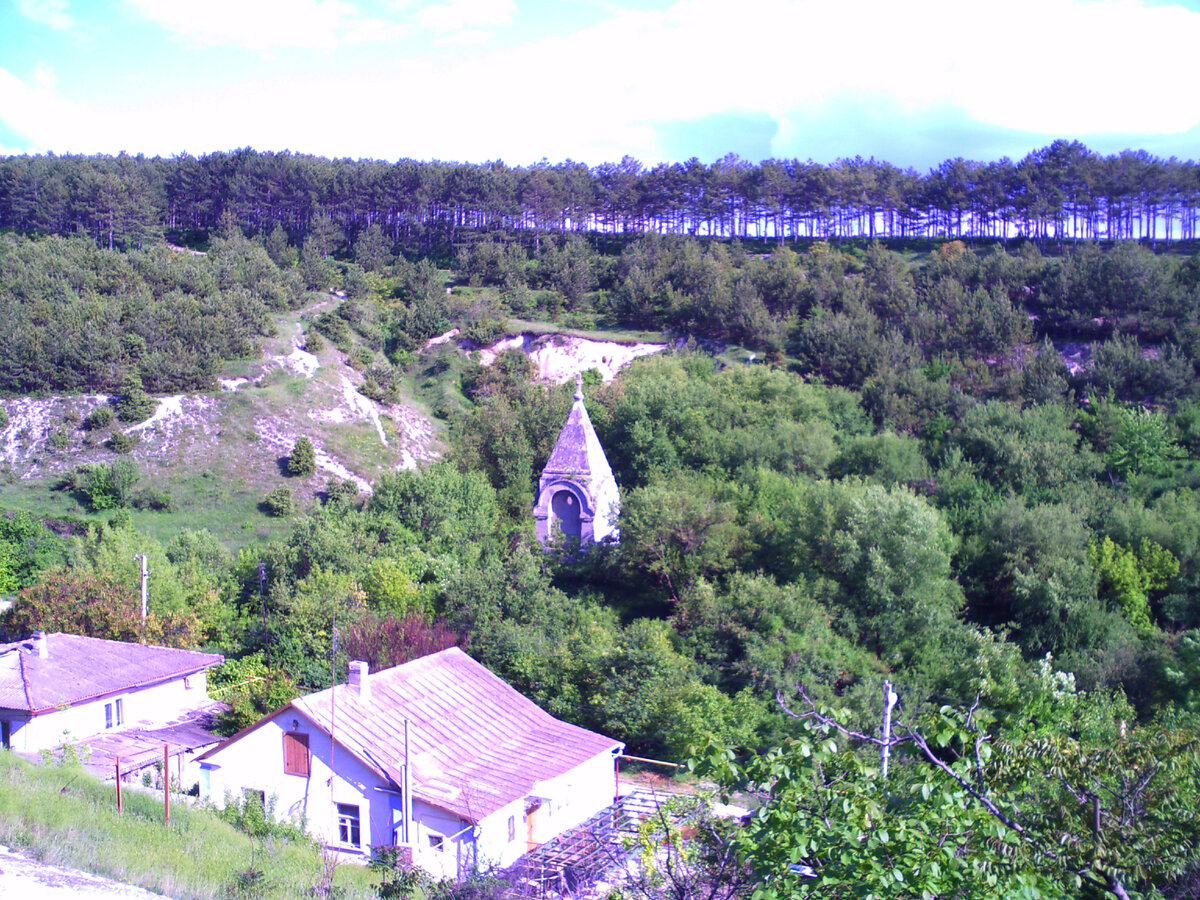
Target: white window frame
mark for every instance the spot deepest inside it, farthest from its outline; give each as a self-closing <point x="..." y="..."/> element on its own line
<point x="114" y="713"/>
<point x="349" y="825"/>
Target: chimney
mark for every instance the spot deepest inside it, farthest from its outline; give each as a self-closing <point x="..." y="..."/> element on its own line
<point x="39" y="644"/>
<point x="360" y="681"/>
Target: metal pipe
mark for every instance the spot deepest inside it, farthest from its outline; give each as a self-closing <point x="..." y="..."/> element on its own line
<point x="166" y="784"/>
<point x="406" y="798"/>
<point x="119" y="807"/>
<point x="656" y="762"/>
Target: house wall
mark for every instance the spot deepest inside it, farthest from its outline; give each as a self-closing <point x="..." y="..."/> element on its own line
<point x="457" y="855"/>
<point x="561" y="804"/>
<point x="444" y="844"/>
<point x="154" y="704"/>
<point x="255" y="762"/>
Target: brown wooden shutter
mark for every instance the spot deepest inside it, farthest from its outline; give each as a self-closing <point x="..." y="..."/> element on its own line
<point x="295" y="753"/>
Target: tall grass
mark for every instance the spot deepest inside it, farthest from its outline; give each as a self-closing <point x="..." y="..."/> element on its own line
<point x="62" y="815"/>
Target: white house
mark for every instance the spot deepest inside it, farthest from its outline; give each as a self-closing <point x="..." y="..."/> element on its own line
<point x="65" y="687"/>
<point x="438" y="755"/>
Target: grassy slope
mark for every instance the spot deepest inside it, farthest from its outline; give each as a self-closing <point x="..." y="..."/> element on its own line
<point x="218" y="471"/>
<point x="63" y="816"/>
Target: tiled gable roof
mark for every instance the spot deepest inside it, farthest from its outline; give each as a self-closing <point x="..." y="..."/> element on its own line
<point x="78" y="668"/>
<point x="475" y="744"/>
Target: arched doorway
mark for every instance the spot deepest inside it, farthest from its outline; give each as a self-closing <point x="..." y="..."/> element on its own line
<point x="565" y="506"/>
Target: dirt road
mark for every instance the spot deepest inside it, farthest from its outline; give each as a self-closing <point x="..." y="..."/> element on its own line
<point x="22" y="878"/>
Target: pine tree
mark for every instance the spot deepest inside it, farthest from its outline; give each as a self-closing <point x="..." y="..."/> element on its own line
<point x="135" y="404"/>
<point x="303" y="459"/>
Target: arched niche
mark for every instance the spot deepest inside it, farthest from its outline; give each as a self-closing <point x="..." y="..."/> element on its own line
<point x="565" y="507"/>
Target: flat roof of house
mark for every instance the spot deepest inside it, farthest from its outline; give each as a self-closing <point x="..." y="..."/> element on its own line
<point x="76" y="668"/>
<point x="188" y="731"/>
<point x="475" y="744"/>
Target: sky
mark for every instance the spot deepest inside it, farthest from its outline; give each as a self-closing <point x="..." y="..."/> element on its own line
<point x="912" y="82"/>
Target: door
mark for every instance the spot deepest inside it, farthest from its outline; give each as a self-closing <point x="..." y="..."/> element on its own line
<point x="531" y="816"/>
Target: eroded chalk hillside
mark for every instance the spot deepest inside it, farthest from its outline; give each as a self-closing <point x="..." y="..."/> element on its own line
<point x="224" y="449"/>
<point x="211" y="458"/>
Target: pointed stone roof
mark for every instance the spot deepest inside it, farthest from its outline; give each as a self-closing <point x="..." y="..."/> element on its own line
<point x="577" y="454"/>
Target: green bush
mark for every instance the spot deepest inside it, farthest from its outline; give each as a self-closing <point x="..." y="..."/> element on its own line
<point x="120" y="442"/>
<point x="303" y="460"/>
<point x="106" y="487"/>
<point x="100" y="417"/>
<point x="339" y="491"/>
<point x="60" y="439"/>
<point x="155" y="501"/>
<point x="135" y="404"/>
<point x="280" y="502"/>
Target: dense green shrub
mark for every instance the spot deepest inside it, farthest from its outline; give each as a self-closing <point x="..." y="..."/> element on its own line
<point x="121" y="442"/>
<point x="134" y="404"/>
<point x="302" y="461"/>
<point x="280" y="502"/>
<point x="100" y="417"/>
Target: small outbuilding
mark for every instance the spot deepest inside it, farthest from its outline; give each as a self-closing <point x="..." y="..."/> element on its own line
<point x="438" y="756"/>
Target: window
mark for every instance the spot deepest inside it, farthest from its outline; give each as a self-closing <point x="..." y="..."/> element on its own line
<point x="349" y="832"/>
<point x="512" y="828"/>
<point x="295" y="753"/>
<point x="114" y="714"/>
<point x="437" y="842"/>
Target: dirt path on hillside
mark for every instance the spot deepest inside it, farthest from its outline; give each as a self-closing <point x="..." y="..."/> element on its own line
<point x="29" y="879"/>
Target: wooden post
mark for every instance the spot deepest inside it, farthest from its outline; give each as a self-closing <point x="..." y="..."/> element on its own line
<point x="166" y="784"/>
<point x="119" y="808"/>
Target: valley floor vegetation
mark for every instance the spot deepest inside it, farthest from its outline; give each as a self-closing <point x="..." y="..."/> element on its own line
<point x="61" y="815"/>
<point x="858" y="463"/>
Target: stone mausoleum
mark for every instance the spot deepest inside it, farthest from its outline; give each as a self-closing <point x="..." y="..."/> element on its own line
<point x="577" y="494"/>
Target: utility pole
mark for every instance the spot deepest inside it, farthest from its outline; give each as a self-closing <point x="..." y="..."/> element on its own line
<point x="889" y="700"/>
<point x="262" y="605"/>
<point x="145" y="582"/>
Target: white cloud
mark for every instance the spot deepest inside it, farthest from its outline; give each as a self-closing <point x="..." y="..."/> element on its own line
<point x="471" y="37"/>
<point x="47" y="121"/>
<point x="43" y="77"/>
<point x="267" y="24"/>
<point x="47" y="12"/>
<point x="1055" y="67"/>
<point x="453" y="15"/>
